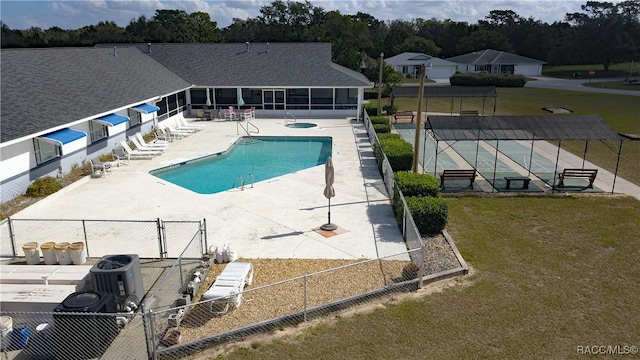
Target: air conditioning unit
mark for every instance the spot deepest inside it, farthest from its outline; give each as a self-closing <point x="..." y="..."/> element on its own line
<point x="121" y="276"/>
<point x="84" y="326"/>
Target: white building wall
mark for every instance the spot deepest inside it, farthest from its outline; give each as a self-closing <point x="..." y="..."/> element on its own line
<point x="528" y="69"/>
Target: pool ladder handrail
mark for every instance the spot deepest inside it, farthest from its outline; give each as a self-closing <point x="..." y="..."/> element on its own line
<point x="243" y="181"/>
<point x="286" y="120"/>
<point x="247" y="129"/>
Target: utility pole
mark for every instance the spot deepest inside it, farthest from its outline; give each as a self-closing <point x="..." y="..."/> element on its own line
<point x="416" y="140"/>
<point x="380" y="84"/>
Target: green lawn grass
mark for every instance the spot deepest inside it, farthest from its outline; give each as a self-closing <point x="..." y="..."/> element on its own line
<point x="620" y="112"/>
<point x="550" y="274"/>
<point x="615" y="70"/>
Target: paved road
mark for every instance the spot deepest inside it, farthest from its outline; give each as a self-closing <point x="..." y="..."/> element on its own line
<point x="575" y="85"/>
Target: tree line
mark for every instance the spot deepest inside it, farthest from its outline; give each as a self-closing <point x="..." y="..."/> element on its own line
<point x="602" y="33"/>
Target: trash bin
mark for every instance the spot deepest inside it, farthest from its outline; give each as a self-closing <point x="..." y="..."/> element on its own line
<point x="62" y="253"/>
<point x="78" y="253"/>
<point x="49" y="253"/>
<point x="31" y="253"/>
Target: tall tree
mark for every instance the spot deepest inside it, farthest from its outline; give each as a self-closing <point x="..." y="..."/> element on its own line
<point x="606" y="33"/>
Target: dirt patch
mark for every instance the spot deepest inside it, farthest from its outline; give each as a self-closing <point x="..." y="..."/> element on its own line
<point x="558" y="110"/>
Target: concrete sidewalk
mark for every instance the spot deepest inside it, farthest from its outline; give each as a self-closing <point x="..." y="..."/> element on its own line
<point x="274" y="219"/>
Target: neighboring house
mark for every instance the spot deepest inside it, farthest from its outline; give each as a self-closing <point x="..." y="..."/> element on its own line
<point x="63" y="106"/>
<point x="497" y="62"/>
<point x="409" y="63"/>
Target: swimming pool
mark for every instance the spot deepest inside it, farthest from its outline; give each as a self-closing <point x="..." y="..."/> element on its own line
<point x="250" y="159"/>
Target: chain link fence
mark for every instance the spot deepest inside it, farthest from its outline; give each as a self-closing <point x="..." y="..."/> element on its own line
<point x="198" y="325"/>
<point x="174" y="320"/>
<point x="147" y="238"/>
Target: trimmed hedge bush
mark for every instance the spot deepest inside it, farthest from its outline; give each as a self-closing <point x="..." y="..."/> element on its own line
<point x="379" y="120"/>
<point x="481" y="79"/>
<point x="382" y="128"/>
<point x="43" y="186"/>
<point x="413" y="184"/>
<point x="371" y="109"/>
<point x="429" y="213"/>
<point x="398" y="151"/>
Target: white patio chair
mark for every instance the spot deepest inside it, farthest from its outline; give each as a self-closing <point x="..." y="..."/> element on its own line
<point x="183" y="124"/>
<point x="138" y="139"/>
<point x="226" y="291"/>
<point x="99" y="168"/>
<point x="137" y="154"/>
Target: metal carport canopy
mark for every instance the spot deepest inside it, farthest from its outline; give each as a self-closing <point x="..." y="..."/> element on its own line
<point x="520" y="127"/>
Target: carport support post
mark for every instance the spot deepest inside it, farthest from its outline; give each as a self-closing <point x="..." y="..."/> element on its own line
<point x="555" y="171"/>
<point x="380" y="85"/>
<point x="416" y="138"/>
<point x="584" y="156"/>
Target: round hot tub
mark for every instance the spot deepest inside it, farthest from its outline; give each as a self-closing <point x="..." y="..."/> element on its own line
<point x="301" y="125"/>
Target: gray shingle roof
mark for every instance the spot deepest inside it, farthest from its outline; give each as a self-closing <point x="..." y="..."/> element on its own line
<point x="412" y="58"/>
<point x="47" y="88"/>
<point x="263" y="65"/>
<point x="493" y="57"/>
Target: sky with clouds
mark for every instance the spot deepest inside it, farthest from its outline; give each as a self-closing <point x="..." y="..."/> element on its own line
<point x="24" y="14"/>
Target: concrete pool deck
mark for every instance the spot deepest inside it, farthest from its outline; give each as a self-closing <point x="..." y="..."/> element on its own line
<point x="274" y="219"/>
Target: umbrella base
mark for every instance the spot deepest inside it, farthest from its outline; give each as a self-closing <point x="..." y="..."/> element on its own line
<point x="329" y="226"/>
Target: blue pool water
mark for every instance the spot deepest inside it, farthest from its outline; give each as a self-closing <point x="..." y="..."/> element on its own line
<point x="264" y="157"/>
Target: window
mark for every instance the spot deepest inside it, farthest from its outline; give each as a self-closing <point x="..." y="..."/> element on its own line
<point x="97" y="131"/>
<point x="321" y="98"/>
<point x="298" y="99"/>
<point x="226" y="97"/>
<point x="346" y="98"/>
<point x="173" y="104"/>
<point x="45" y="151"/>
<point x="135" y="117"/>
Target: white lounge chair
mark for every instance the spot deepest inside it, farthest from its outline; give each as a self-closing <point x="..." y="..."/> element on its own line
<point x="137" y="154"/>
<point x="175" y="133"/>
<point x="160" y="144"/>
<point x="140" y="146"/>
<point x="99" y="168"/>
<point x="162" y="135"/>
<point x="121" y="156"/>
<point x="182" y="124"/>
<point x="226" y="291"/>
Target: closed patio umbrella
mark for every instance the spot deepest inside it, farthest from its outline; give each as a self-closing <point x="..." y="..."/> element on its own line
<point x="329" y="191"/>
<point x="240" y="99"/>
<point x="208" y="98"/>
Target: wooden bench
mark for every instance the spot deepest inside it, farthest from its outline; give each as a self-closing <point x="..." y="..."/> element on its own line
<point x="589" y="174"/>
<point x="458" y="175"/>
<point x="468" y="113"/>
<point x="403" y="114"/>
<point x="525" y="181"/>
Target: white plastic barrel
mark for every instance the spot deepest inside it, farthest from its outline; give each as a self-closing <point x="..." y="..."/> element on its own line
<point x="6" y="326"/>
<point x="49" y="253"/>
<point x="78" y="253"/>
<point x="31" y="253"/>
<point x="62" y="253"/>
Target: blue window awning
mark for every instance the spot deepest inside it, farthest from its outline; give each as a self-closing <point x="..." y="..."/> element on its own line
<point x="112" y="120"/>
<point x="63" y="136"/>
<point x="146" y="108"/>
